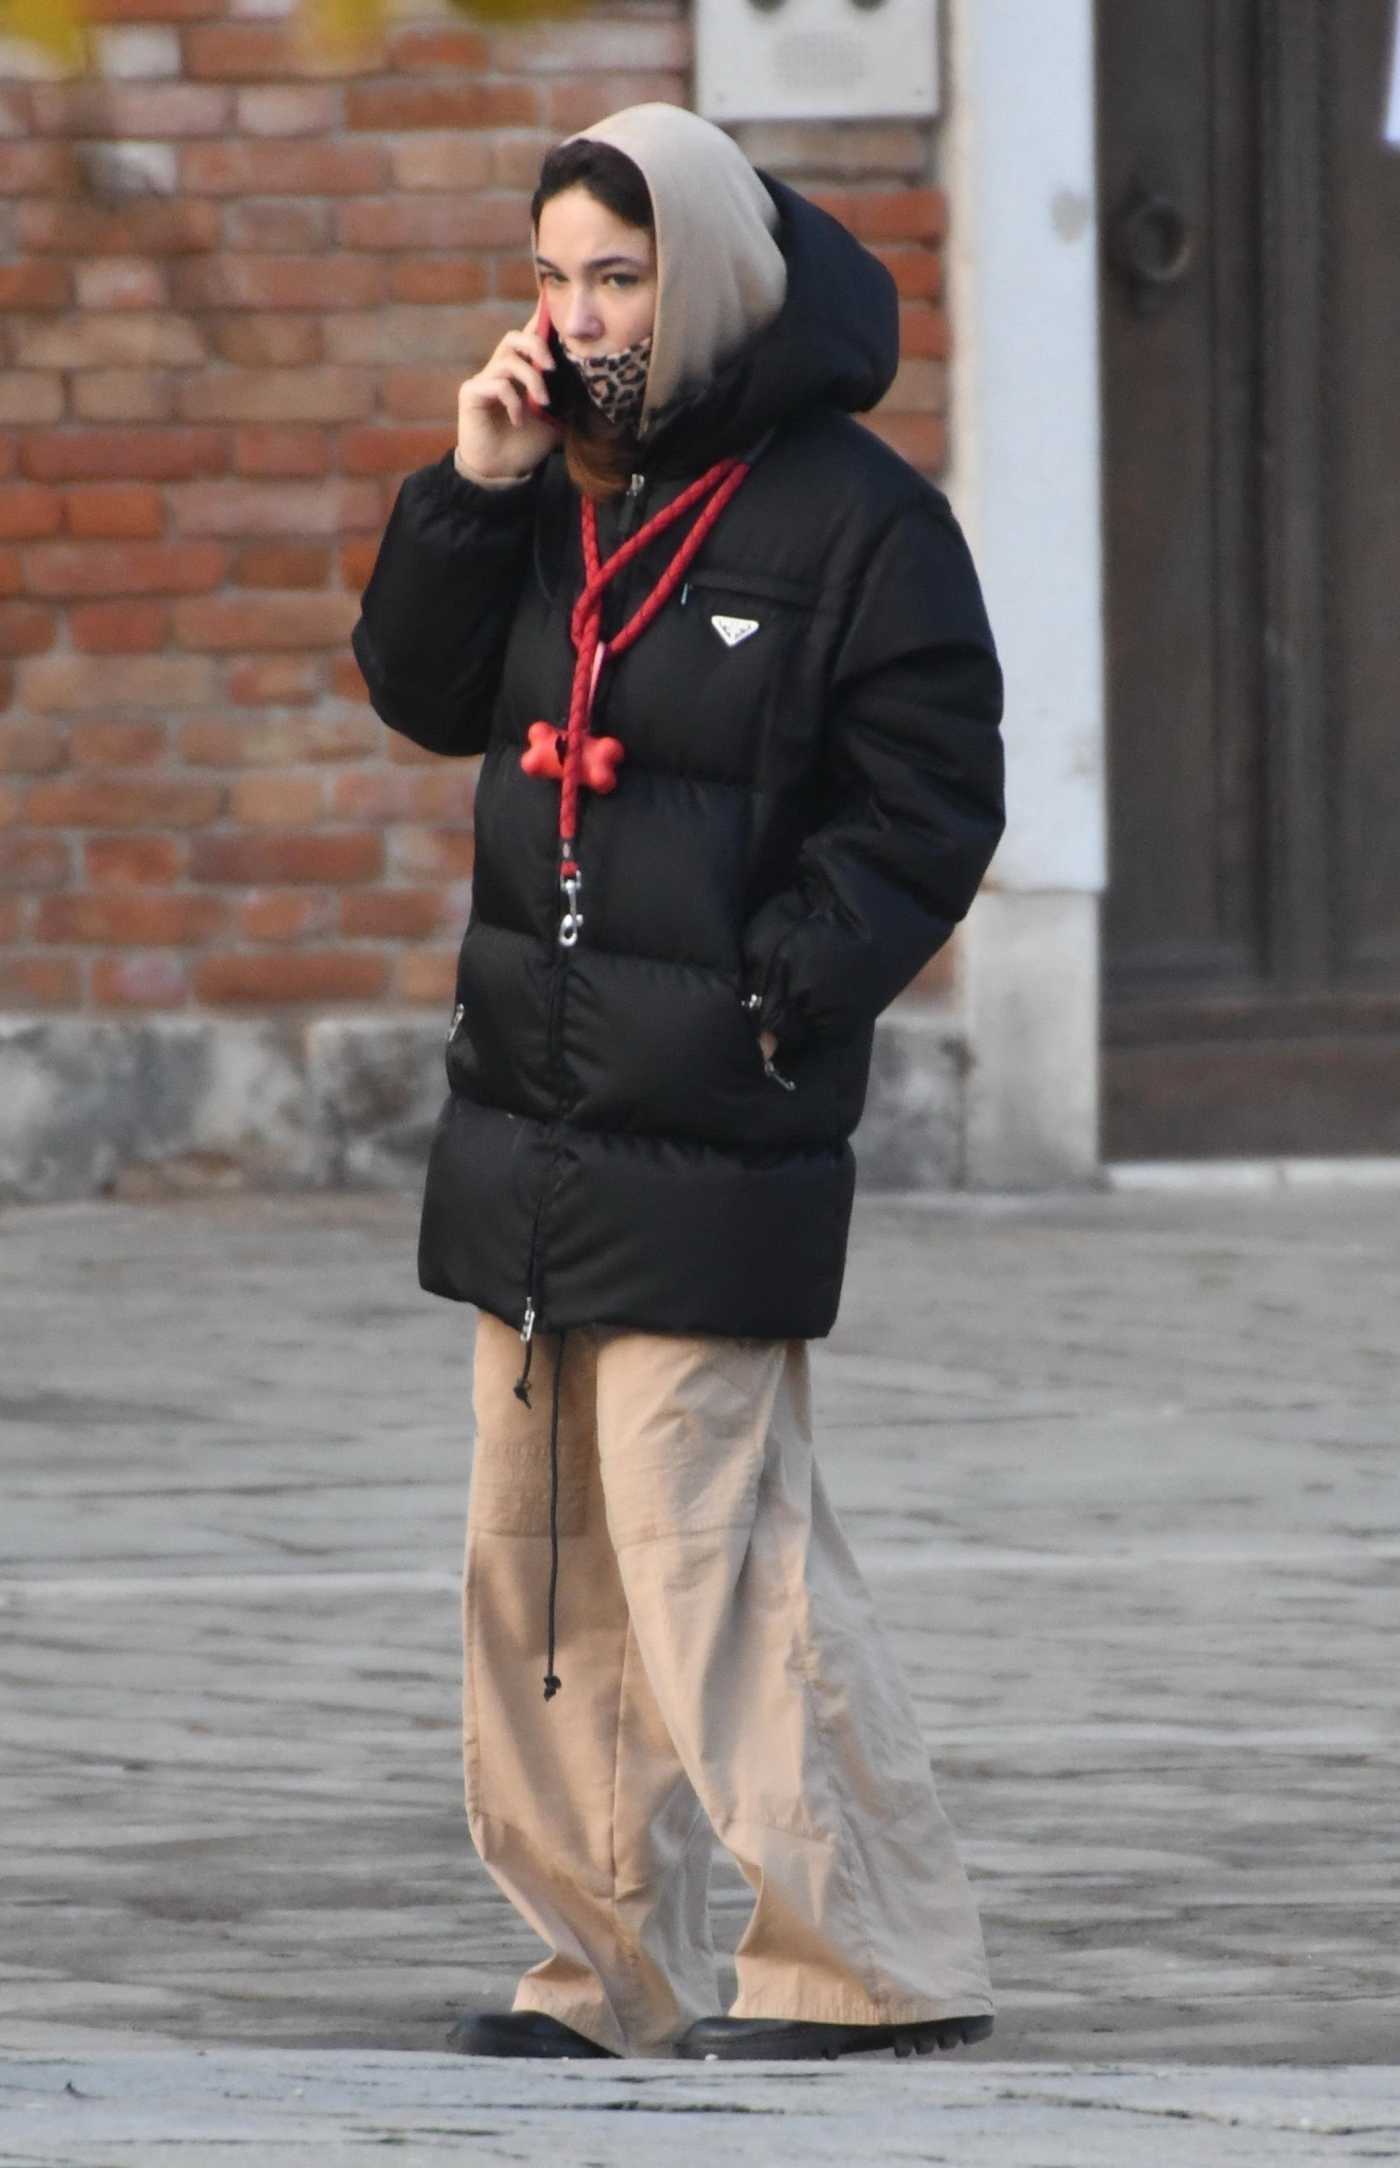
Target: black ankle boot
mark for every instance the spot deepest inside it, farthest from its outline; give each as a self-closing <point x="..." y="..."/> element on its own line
<point x="522" y="2032"/>
<point x="792" y="2040"/>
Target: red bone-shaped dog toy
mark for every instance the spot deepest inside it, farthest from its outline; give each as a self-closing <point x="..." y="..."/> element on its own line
<point x="546" y="758"/>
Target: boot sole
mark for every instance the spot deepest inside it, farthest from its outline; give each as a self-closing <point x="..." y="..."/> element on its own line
<point x="470" y="2037"/>
<point x="927" y="2037"/>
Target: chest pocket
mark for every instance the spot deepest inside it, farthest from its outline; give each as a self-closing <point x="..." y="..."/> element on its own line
<point x="738" y="607"/>
<point x="734" y="664"/>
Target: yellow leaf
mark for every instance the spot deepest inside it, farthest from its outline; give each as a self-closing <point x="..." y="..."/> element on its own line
<point x="347" y="24"/>
<point x="55" y="26"/>
<point x="342" y="24"/>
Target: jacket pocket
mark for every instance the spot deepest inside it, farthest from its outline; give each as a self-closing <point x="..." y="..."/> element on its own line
<point x="497" y="1047"/>
<point x="752" y="1006"/>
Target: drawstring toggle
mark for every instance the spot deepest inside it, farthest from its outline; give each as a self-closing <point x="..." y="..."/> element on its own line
<point x="527" y="1333"/>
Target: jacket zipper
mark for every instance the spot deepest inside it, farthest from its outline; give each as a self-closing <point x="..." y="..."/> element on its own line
<point x="549" y="1179"/>
<point x="627" y="520"/>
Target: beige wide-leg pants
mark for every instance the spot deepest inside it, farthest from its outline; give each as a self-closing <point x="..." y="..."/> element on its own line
<point x="722" y="1672"/>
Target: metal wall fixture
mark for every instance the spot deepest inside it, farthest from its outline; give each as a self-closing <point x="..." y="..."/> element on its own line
<point x="816" y="59"/>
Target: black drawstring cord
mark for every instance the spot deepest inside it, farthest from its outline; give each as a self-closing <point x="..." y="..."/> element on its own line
<point x="551" y="1682"/>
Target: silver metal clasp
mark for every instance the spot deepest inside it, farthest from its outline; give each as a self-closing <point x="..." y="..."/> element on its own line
<point x="570" y="925"/>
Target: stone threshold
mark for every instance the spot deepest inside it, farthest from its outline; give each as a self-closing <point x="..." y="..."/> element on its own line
<point x="1249" y="1177"/>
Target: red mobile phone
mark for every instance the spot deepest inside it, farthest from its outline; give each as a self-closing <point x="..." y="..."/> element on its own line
<point x="543" y="326"/>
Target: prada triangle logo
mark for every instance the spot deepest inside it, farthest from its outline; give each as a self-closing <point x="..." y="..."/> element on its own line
<point x="734" y="629"/>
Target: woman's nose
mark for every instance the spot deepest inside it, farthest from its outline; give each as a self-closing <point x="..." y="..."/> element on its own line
<point x="581" y="320"/>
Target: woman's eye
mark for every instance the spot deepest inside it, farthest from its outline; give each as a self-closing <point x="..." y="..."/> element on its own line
<point x="622" y="278"/>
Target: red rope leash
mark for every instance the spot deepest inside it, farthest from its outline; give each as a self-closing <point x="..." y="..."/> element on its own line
<point x="588" y="762"/>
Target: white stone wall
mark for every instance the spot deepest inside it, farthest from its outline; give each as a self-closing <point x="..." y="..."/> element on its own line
<point x="1018" y="162"/>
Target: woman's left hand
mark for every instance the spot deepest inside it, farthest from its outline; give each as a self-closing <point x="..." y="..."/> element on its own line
<point x="768" y="1044"/>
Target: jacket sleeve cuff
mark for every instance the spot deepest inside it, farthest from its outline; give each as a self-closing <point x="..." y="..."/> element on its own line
<point x="498" y="488"/>
<point x="768" y="941"/>
<point x="448" y="488"/>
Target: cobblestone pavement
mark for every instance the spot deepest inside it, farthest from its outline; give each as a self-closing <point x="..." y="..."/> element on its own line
<point x="1124" y="1472"/>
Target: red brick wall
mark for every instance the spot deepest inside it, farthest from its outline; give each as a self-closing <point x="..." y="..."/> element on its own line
<point x="239" y="284"/>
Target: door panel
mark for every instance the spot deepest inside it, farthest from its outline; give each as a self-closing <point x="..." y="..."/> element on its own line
<point x="1251" y="324"/>
<point x="1185" y="803"/>
<point x="1362" y="563"/>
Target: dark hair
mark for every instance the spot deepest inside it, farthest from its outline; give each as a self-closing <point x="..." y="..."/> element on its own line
<point x="607" y="174"/>
<point x="597" y="455"/>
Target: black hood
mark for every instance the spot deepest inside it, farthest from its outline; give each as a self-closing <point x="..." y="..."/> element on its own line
<point x="834" y="343"/>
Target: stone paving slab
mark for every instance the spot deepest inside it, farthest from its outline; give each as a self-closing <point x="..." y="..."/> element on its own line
<point x="1123" y="1471"/>
<point x="278" y="2107"/>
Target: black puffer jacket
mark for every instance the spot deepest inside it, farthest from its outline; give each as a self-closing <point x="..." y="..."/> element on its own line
<point x="801" y="816"/>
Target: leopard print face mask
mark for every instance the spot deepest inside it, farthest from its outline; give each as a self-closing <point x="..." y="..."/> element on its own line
<point x="616" y="383"/>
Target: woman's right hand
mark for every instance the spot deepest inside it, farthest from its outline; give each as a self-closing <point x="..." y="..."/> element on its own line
<point x="499" y="440"/>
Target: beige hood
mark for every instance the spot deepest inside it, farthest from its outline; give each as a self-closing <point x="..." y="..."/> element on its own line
<point x="720" y="273"/>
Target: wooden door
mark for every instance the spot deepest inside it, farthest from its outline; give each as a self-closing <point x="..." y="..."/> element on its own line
<point x="1251" y="339"/>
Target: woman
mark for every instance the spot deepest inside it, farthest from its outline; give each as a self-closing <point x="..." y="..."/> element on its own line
<point x="729" y="665"/>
